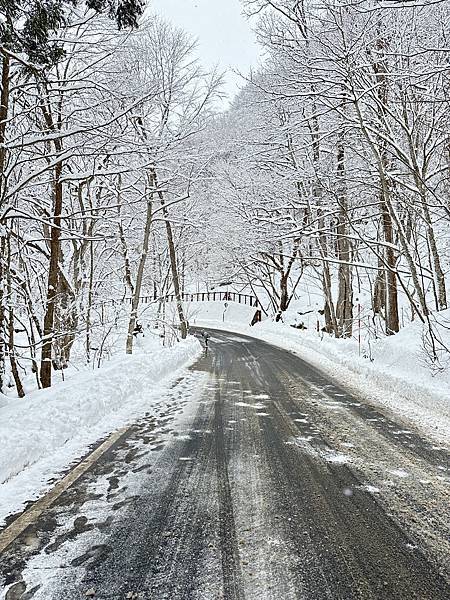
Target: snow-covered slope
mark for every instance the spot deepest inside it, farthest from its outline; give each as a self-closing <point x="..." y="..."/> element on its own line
<point x="44" y="432"/>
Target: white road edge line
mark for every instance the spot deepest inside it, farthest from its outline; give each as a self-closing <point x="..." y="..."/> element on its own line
<point x="29" y="516"/>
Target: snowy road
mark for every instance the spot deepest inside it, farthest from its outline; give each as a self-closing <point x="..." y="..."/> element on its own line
<point x="261" y="480"/>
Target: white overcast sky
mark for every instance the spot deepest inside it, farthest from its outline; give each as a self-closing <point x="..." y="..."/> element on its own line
<point x="224" y="36"/>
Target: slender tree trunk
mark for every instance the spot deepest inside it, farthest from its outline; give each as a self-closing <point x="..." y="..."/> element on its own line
<point x="284" y="296"/>
<point x="419" y="175"/>
<point x="89" y="301"/>
<point x="139" y="276"/>
<point x="344" y="306"/>
<point x="123" y="242"/>
<point x="380" y="68"/>
<point x="284" y="292"/>
<point x="53" y="279"/>
<point x="12" y="354"/>
<point x="65" y="323"/>
<point x="173" y="261"/>
<point x="379" y="290"/>
<point x="435" y="259"/>
<point x="409" y="259"/>
<point x="11" y="346"/>
<point x="4" y="107"/>
<point x="331" y="323"/>
<point x="392" y="319"/>
<point x="175" y="277"/>
<point x="2" y="310"/>
<point x="4" y="104"/>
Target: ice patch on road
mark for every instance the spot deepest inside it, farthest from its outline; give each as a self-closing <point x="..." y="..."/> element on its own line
<point x="337" y="458"/>
<point x="257" y="406"/>
<point x="330" y="404"/>
<point x="399" y="473"/>
<point x="322" y="454"/>
<point x="372" y="489"/>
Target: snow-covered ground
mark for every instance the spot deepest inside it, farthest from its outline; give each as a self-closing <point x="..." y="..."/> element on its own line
<point x="392" y="371"/>
<point x="48" y="429"/>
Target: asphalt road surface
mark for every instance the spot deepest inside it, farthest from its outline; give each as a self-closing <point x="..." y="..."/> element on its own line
<point x="261" y="479"/>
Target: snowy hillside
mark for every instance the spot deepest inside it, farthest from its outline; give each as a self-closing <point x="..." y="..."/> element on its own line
<point x="47" y="431"/>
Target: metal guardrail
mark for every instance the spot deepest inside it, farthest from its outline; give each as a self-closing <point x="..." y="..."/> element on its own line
<point x="217" y="297"/>
<point x="246" y="299"/>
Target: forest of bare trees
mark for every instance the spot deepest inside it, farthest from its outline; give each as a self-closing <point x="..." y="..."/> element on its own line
<point x="119" y="178"/>
<point x="339" y="156"/>
<point x="98" y="150"/>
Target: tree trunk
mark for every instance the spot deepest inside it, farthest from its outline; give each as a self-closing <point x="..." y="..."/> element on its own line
<point x="435" y="259"/>
<point x="65" y="324"/>
<point x="4" y="104"/>
<point x="284" y="296"/>
<point x="139" y="277"/>
<point x="379" y="290"/>
<point x="173" y="262"/>
<point x="344" y="306"/>
<point x="380" y="68"/>
<point x="330" y="311"/>
<point x="392" y="321"/>
<point x="419" y="175"/>
<point x="409" y="259"/>
<point x="89" y="301"/>
<point x="53" y="279"/>
<point x="2" y="310"/>
<point x="11" y="347"/>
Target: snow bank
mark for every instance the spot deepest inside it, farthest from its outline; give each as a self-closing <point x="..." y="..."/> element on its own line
<point x="49" y="428"/>
<point x="391" y="371"/>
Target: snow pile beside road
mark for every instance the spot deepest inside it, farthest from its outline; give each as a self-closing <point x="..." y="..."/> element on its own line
<point x="392" y="371"/>
<point x="49" y="428"/>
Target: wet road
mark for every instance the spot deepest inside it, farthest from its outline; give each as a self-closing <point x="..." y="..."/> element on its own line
<point x="261" y="479"/>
